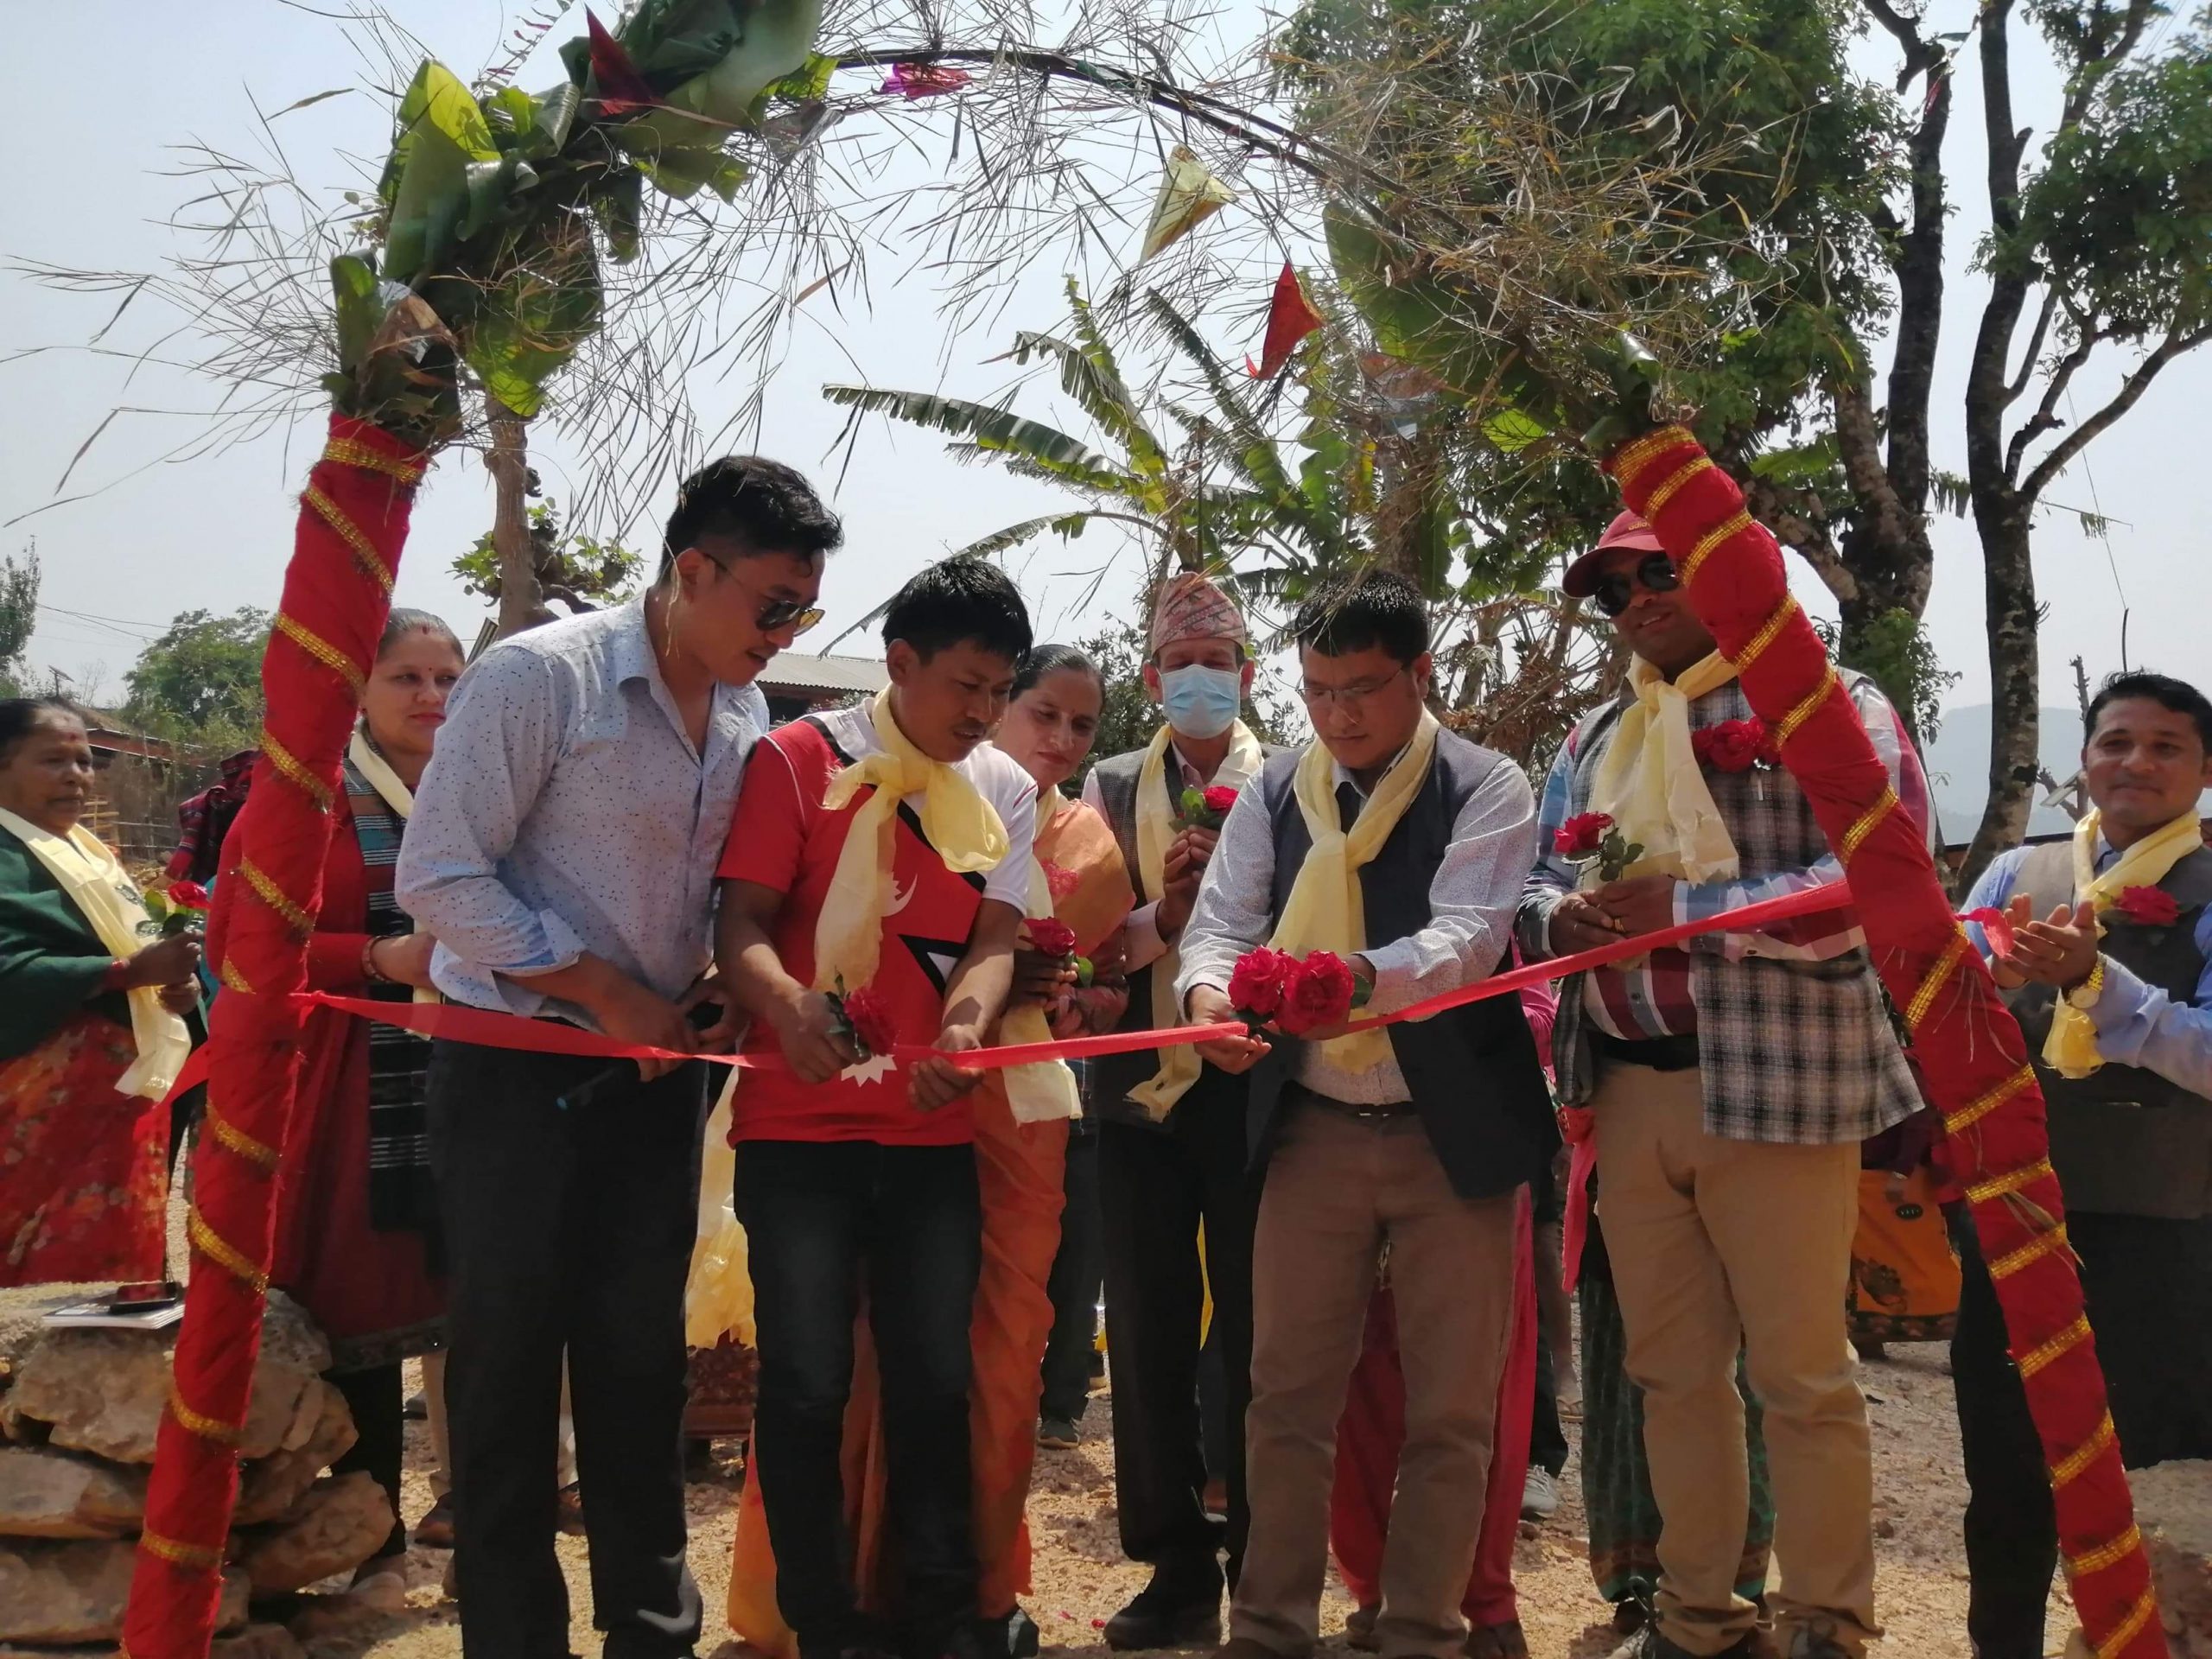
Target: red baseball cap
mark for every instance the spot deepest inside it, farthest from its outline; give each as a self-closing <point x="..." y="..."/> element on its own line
<point x="1626" y="530"/>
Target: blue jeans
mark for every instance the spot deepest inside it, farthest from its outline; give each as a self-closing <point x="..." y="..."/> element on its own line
<point x="823" y="1220"/>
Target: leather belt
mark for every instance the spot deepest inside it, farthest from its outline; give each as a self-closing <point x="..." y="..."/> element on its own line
<point x="1301" y="1094"/>
<point x="1659" y="1053"/>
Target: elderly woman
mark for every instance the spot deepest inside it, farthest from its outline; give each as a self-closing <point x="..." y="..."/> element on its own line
<point x="90" y="1039"/>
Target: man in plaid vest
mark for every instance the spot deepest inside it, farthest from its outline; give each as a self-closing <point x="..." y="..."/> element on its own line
<point x="1732" y="1080"/>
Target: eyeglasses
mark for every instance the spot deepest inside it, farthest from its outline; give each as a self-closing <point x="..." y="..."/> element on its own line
<point x="793" y="613"/>
<point x="774" y="614"/>
<point x="1656" y="574"/>
<point x="1349" y="698"/>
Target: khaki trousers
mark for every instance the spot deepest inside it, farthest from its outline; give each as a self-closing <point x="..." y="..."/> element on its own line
<point x="1337" y="1188"/>
<point x="1712" y="1240"/>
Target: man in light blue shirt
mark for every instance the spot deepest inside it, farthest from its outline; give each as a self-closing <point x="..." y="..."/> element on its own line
<point x="562" y="850"/>
<point x="2117" y="923"/>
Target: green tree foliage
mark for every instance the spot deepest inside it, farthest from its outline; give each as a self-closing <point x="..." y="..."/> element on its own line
<point x="18" y="618"/>
<point x="200" y="682"/>
<point x="581" y="571"/>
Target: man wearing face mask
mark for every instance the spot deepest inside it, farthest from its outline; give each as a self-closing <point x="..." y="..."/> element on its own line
<point x="1170" y="1141"/>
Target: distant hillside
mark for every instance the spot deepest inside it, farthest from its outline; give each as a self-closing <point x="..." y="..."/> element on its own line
<point x="1958" y="767"/>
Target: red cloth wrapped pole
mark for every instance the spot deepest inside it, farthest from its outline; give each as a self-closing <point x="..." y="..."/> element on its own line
<point x="353" y="524"/>
<point x="1965" y="1040"/>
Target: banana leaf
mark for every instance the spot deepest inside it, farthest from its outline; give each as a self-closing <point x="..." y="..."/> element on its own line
<point x="425" y="182"/>
<point x="532" y="323"/>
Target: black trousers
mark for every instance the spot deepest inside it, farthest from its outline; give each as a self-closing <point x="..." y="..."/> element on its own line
<point x="823" y="1220"/>
<point x="1078" y="1271"/>
<point x="2148" y="1285"/>
<point x="374" y="1399"/>
<point x="569" y="1226"/>
<point x="1156" y="1185"/>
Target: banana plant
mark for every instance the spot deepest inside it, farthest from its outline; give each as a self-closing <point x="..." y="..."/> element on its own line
<point x="1219" y="496"/>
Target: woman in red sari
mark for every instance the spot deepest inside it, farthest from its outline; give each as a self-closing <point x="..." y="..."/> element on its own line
<point x="1051" y="723"/>
<point x="90" y="1039"/>
<point x="353" y="1202"/>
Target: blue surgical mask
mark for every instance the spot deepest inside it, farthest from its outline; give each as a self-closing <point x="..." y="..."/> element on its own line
<point x="1202" y="701"/>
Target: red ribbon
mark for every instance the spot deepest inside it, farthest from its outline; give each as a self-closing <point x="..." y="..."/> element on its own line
<point x="487" y="1029"/>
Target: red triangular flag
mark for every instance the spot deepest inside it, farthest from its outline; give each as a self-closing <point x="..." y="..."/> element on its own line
<point x="622" y="88"/>
<point x="1289" y="321"/>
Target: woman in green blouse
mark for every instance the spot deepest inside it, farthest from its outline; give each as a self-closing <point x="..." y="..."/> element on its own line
<point x="90" y="1039"/>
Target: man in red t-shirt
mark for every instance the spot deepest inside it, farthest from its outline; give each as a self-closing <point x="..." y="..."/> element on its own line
<point x="850" y="1173"/>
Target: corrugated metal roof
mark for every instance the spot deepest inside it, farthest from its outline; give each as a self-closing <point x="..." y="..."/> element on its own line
<point x="793" y="670"/>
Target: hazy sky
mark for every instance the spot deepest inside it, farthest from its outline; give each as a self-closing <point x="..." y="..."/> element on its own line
<point x="97" y="91"/>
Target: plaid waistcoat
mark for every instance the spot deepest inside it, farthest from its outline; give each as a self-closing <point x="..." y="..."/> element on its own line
<point x="1793" y="1051"/>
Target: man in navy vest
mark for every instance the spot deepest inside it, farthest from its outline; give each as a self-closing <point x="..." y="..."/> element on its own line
<point x="2125" y="943"/>
<point x="1420" y="1140"/>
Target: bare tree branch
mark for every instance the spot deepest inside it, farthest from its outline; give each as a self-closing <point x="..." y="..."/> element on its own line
<point x="2131" y="390"/>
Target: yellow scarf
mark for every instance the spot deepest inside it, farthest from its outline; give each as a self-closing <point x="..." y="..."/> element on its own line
<point x="1326" y="910"/>
<point x="956" y="821"/>
<point x="394" y="794"/>
<point x="1156" y="812"/>
<point x="99" y="887"/>
<point x="2072" y="1048"/>
<point x="1649" y="783"/>
<point x="1045" y="1092"/>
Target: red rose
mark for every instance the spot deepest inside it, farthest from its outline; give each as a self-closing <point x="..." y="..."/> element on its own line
<point x="867" y="1011"/>
<point x="1731" y="745"/>
<point x="1581" y="834"/>
<point x="2151" y="907"/>
<point x="189" y="895"/>
<point x="1219" y="798"/>
<point x="1052" y="937"/>
<point x="1261" y="978"/>
<point x="1319" y="995"/>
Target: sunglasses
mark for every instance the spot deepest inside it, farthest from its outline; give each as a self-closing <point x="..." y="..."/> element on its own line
<point x="774" y="614"/>
<point x="793" y="613"/>
<point x="1656" y="574"/>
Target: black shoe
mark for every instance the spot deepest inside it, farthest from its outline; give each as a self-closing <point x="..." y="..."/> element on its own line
<point x="1648" y="1643"/>
<point x="1168" y="1615"/>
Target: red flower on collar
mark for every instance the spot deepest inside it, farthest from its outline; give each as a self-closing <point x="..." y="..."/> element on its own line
<point x="1731" y="745"/>
<point x="2151" y="907"/>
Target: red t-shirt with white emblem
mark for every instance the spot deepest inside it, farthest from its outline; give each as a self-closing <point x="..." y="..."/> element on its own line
<point x="781" y="836"/>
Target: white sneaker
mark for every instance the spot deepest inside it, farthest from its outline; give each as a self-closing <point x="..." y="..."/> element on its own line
<point x="1539" y="1496"/>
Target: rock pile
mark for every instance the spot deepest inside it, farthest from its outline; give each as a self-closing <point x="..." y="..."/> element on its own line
<point x="79" y="1414"/>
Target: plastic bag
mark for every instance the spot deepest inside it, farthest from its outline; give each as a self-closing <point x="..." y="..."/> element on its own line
<point x="718" y="1299"/>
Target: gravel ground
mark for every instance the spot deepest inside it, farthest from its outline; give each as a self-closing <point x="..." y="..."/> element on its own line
<point x="1081" y="1578"/>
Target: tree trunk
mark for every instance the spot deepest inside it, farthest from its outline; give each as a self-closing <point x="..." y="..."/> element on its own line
<point x="2000" y="513"/>
<point x="2009" y="582"/>
<point x="522" y="603"/>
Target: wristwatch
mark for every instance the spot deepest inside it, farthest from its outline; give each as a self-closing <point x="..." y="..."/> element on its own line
<point x="2084" y="995"/>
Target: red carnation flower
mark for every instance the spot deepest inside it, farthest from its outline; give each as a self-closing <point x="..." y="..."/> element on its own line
<point x="1257" y="985"/>
<point x="1052" y="937"/>
<point x="1731" y="745"/>
<point x="867" y="1011"/>
<point x="189" y="895"/>
<point x="1319" y="995"/>
<point x="1219" y="798"/>
<point x="1582" y="834"/>
<point x="2151" y="907"/>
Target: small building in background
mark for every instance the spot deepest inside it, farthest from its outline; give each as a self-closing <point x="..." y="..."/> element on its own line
<point x="796" y="683"/>
<point x="142" y="778"/>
